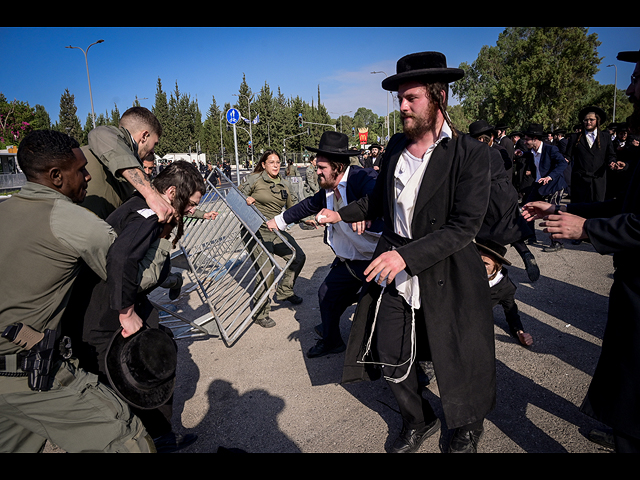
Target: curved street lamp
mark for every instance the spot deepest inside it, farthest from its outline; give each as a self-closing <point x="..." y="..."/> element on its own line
<point x="93" y="114"/>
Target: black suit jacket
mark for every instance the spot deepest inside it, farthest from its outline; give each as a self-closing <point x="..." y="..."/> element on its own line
<point x="552" y="164"/>
<point x="360" y="183"/>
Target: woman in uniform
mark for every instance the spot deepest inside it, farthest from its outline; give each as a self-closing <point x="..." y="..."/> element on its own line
<point x="270" y="193"/>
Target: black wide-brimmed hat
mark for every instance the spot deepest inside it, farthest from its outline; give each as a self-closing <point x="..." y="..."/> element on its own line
<point x="142" y="368"/>
<point x="336" y="146"/>
<point x="597" y="110"/>
<point x="535" y="130"/>
<point x="427" y="67"/>
<point x="630" y="57"/>
<point x="493" y="249"/>
<point x="480" y="127"/>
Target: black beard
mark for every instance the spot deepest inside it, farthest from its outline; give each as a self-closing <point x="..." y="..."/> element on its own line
<point x="324" y="183"/>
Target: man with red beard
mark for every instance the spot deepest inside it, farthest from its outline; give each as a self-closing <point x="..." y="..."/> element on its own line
<point x="612" y="227"/>
<point x="428" y="297"/>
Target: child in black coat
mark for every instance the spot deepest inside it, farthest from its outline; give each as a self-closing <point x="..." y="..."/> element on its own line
<point x="503" y="290"/>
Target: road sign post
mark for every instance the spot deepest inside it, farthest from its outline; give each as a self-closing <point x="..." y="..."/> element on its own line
<point x="233" y="117"/>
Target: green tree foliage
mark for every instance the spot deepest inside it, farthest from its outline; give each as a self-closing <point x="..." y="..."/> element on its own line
<point x="533" y="75"/>
<point x="68" y="121"/>
<point x="16" y="121"/>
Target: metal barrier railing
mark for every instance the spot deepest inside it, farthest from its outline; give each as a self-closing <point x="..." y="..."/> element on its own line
<point x="225" y="262"/>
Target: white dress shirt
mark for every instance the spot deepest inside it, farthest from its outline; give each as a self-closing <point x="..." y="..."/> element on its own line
<point x="409" y="175"/>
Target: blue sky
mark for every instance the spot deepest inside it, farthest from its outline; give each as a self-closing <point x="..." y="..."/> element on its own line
<point x="208" y="61"/>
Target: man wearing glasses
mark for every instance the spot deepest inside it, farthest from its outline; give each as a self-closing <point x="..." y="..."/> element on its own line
<point x="592" y="154"/>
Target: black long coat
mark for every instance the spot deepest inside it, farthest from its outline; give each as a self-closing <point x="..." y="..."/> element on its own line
<point x="614" y="395"/>
<point x="456" y="298"/>
<point x="504" y="224"/>
<point x="589" y="167"/>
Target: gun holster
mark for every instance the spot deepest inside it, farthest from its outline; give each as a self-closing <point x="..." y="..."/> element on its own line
<point x="41" y="352"/>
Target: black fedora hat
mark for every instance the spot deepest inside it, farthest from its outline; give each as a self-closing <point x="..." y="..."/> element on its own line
<point x="630" y="57"/>
<point x="597" y="110"/>
<point x="480" y="127"/>
<point x="142" y="368"/>
<point x="493" y="249"/>
<point x="335" y="145"/>
<point x="535" y="130"/>
<point x="428" y="67"/>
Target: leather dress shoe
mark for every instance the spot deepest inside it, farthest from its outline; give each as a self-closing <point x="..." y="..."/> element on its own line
<point x="465" y="441"/>
<point x="531" y="265"/>
<point x="410" y="441"/>
<point x="322" y="350"/>
<point x="555" y="247"/>
<point x="294" y="299"/>
<point x="604" y="438"/>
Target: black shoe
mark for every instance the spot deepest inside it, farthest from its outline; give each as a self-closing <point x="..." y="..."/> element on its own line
<point x="465" y="441"/>
<point x="555" y="247"/>
<point x="531" y="265"/>
<point x="171" y="443"/>
<point x="322" y="350"/>
<point x="603" y="438"/>
<point x="296" y="300"/>
<point x="410" y="441"/>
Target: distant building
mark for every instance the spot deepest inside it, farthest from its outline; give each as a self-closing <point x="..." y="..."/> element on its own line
<point x="10" y="175"/>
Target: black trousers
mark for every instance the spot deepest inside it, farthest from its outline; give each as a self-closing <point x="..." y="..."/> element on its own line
<point x="394" y="347"/>
<point x="341" y="289"/>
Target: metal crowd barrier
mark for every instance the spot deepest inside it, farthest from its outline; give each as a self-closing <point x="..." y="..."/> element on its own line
<point x="226" y="264"/>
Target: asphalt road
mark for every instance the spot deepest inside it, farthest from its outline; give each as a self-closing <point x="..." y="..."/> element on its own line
<point x="264" y="396"/>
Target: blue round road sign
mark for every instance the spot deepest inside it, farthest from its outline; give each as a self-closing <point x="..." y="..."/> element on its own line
<point x="233" y="116"/>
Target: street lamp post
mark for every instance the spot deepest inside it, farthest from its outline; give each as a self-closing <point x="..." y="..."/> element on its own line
<point x="615" y="93"/>
<point x="86" y="59"/>
<point x="388" y="126"/>
<point x="250" y="123"/>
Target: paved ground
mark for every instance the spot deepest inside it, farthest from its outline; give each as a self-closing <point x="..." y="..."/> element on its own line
<point x="263" y="395"/>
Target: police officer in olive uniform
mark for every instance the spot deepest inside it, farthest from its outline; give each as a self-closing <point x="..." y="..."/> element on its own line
<point x="271" y="194"/>
<point x="45" y="238"/>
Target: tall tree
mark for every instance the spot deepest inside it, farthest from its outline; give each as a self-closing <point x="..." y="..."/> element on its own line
<point x="161" y="111"/>
<point x="69" y="122"/>
<point x="532" y="75"/>
<point x="212" y="131"/>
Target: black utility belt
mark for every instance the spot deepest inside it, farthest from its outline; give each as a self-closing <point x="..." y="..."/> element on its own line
<point x="11" y="366"/>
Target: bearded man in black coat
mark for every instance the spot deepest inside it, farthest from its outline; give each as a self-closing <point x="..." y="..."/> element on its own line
<point x="427" y="296"/>
<point x="591" y="153"/>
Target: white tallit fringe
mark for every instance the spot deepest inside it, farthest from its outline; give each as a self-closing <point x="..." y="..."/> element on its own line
<point x="414" y="348"/>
